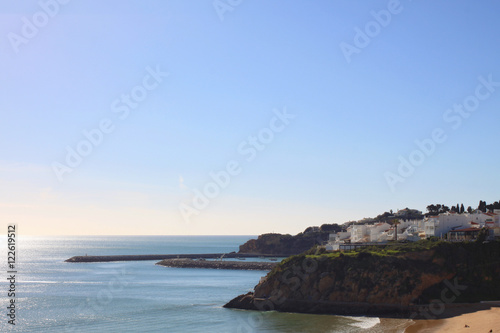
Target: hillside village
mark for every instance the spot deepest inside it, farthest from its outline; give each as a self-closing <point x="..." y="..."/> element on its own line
<point x="385" y="274"/>
<point x="405" y="225"/>
<point x="452" y="225"/>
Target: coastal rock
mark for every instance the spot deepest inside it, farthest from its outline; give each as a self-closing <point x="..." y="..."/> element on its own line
<point x="325" y="284"/>
<point x="283" y="245"/>
<point x="365" y="283"/>
<point x="245" y="302"/>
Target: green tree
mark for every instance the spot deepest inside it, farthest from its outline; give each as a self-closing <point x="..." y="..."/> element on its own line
<point x="493" y="206"/>
<point x="330" y="228"/>
<point x="482" y="206"/>
<point x="462" y="209"/>
<point x="482" y="235"/>
<point x="444" y="209"/>
<point x="432" y="209"/>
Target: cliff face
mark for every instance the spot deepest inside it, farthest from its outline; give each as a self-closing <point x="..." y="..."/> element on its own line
<point x="367" y="283"/>
<point x="279" y="244"/>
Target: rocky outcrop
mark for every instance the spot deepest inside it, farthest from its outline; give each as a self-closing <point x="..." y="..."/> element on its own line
<point x="217" y="264"/>
<point x="283" y="245"/>
<point x="379" y="283"/>
<point x="286" y="245"/>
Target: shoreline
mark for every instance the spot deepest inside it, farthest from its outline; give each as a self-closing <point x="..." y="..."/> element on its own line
<point x="418" y="313"/>
<point x="478" y="320"/>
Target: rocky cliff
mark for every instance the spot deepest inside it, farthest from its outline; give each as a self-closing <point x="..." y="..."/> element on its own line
<point x="279" y="244"/>
<point x="395" y="280"/>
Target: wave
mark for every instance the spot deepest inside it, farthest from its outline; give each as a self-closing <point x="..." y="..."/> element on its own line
<point x="364" y="322"/>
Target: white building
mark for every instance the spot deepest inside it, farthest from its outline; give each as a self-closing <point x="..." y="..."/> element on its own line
<point x="481" y="219"/>
<point x="411" y="233"/>
<point x="332" y="246"/>
<point x="439" y="226"/>
<point x="336" y="239"/>
<point x="376" y="232"/>
<point x="340" y="236"/>
<point x="359" y="233"/>
<point x="430" y="225"/>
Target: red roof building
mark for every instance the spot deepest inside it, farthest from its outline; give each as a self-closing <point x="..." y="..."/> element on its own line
<point x="465" y="234"/>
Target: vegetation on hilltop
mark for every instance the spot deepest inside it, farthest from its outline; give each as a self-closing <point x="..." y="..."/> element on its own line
<point x="460" y="209"/>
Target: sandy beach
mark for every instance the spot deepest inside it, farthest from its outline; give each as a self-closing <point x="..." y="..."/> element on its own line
<point x="479" y="321"/>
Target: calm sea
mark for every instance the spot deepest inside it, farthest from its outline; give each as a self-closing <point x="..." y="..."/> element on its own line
<point x="54" y="296"/>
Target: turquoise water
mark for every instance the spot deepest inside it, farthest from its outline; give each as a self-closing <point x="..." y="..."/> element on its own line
<point x="54" y="296"/>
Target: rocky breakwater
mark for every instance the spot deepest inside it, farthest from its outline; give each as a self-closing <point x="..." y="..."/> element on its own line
<point x="140" y="257"/>
<point x="393" y="281"/>
<point x="217" y="264"/>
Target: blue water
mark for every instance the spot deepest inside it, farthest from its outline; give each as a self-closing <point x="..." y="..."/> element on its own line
<point x="54" y="296"/>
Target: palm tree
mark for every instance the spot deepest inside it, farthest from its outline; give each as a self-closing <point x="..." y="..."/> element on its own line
<point x="395" y="222"/>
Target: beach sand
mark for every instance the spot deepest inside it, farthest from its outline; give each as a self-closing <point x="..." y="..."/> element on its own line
<point x="479" y="321"/>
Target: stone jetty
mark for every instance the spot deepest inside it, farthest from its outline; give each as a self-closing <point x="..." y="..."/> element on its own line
<point x="217" y="264"/>
<point x="141" y="257"/>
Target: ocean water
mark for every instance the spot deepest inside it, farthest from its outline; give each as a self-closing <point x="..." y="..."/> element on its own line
<point x="54" y="296"/>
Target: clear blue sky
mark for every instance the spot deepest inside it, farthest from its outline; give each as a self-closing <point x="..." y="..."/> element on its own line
<point x="355" y="113"/>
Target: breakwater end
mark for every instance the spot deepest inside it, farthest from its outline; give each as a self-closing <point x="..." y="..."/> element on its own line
<point x="141" y="257"/>
<point x="217" y="264"/>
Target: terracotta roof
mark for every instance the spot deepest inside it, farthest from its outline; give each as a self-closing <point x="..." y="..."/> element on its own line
<point x="465" y="229"/>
